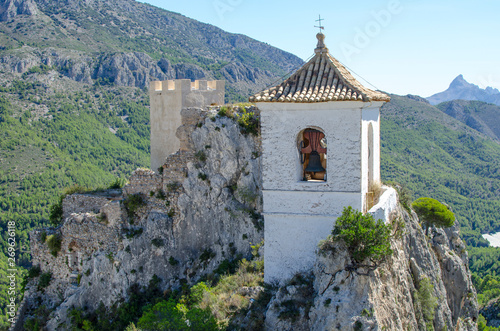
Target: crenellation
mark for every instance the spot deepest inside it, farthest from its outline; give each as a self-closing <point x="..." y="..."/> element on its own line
<point x="168" y="98"/>
<point x="186" y="85"/>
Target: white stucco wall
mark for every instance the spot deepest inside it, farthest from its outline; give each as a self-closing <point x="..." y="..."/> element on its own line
<point x="309" y="203"/>
<point x="291" y="241"/>
<point x="386" y="206"/>
<point x="280" y="125"/>
<point x="167" y="98"/>
<point x="370" y="115"/>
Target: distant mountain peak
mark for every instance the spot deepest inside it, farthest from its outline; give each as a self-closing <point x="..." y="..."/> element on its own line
<point x="459" y="81"/>
<point x="463" y="90"/>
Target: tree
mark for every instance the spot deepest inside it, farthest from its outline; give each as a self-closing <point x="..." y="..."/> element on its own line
<point x="364" y="238"/>
<point x="433" y="213"/>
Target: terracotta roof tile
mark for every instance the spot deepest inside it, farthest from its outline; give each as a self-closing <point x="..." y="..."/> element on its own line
<point x="321" y="79"/>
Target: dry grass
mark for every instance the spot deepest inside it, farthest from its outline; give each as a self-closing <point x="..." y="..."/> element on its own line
<point x="226" y="298"/>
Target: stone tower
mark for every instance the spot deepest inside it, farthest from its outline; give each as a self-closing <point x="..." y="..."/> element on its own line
<point x="167" y="98"/>
<point x="321" y="152"/>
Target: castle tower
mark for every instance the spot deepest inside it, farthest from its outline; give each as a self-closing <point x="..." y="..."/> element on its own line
<point x="321" y="152"/>
<point x="167" y="98"/>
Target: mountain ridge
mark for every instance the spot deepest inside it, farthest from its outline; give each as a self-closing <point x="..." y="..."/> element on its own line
<point x="461" y="89"/>
<point x="103" y="32"/>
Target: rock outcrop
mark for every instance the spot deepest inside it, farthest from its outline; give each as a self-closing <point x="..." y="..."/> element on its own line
<point x="177" y="225"/>
<point x="12" y="8"/>
<point x="339" y="298"/>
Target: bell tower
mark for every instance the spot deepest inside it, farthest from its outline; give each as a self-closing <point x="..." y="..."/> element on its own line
<point x="320" y="153"/>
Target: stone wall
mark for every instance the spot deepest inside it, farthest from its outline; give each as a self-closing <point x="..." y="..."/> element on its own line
<point x="83" y="203"/>
<point x="143" y="181"/>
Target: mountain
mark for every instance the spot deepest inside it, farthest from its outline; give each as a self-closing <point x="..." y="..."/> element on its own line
<point x="127" y="43"/>
<point x="435" y="155"/>
<point x="461" y="89"/>
<point x="481" y="116"/>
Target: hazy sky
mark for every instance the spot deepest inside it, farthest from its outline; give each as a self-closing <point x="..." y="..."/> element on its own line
<point x="399" y="46"/>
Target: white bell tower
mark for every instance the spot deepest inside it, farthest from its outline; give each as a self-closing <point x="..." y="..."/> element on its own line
<point x="321" y="152"/>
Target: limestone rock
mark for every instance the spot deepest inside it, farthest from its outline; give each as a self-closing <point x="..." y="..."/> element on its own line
<point x="179" y="217"/>
<point x="11" y="8"/>
<point x="385" y="298"/>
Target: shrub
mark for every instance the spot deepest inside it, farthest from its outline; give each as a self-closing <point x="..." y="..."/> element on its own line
<point x="34" y="271"/>
<point x="225" y="111"/>
<point x="54" y="243"/>
<point x="131" y="233"/>
<point x="200" y="155"/>
<point x="433" y="213"/>
<point x="118" y="183"/>
<point x="169" y="315"/>
<point x="133" y="202"/>
<point x="249" y="122"/>
<point x="364" y="238"/>
<point x="157" y="242"/>
<point x="44" y="280"/>
<point x="426" y="300"/>
<point x="173" y="261"/>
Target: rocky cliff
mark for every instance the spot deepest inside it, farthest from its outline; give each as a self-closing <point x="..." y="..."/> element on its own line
<point x="175" y="226"/>
<point x="336" y="297"/>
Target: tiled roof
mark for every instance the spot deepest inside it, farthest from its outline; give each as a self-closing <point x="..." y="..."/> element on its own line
<point x="321" y="79"/>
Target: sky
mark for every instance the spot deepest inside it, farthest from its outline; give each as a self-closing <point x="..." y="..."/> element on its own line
<point x="398" y="46"/>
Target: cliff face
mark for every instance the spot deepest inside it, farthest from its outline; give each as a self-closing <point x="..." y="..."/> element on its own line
<point x="334" y="297"/>
<point x="178" y="225"/>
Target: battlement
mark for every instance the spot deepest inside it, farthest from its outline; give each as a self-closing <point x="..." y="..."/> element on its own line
<point x="187" y="85"/>
<point x="167" y="98"/>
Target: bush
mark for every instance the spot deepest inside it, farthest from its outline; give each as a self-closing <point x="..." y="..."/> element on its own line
<point x="426" y="300"/>
<point x="133" y="202"/>
<point x="433" y="213"/>
<point x="364" y="238"/>
<point x="118" y="183"/>
<point x="249" y="122"/>
<point x="169" y="315"/>
<point x="44" y="280"/>
<point x="54" y="243"/>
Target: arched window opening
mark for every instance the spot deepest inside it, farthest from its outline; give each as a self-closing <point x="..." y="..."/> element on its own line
<point x="312" y="148"/>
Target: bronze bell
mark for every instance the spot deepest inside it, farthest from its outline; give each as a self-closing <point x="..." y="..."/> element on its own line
<point x="314" y="163"/>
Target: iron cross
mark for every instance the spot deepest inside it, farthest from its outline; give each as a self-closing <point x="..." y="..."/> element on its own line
<point x="319" y="20"/>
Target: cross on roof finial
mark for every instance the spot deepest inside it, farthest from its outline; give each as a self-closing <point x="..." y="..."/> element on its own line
<point x="320" y="26"/>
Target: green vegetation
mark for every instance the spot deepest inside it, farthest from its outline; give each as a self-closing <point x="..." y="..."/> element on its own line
<point x="481" y="325"/>
<point x="433" y="213"/>
<point x="170" y="315"/>
<point x="213" y="304"/>
<point x="249" y="122"/>
<point x="44" y="280"/>
<point x="132" y="204"/>
<point x="365" y="239"/>
<point x="433" y="154"/>
<point x="54" y="243"/>
<point x="424" y="299"/>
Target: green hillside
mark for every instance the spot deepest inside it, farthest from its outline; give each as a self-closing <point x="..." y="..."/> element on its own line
<point x="435" y="155"/>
